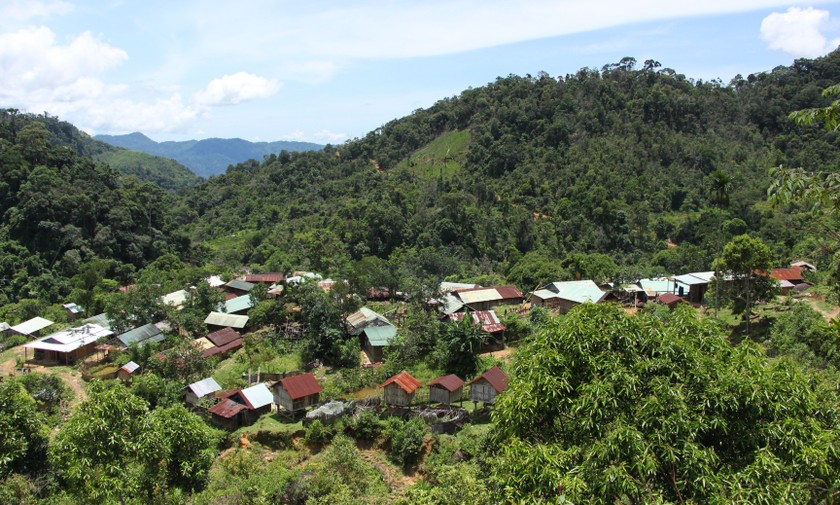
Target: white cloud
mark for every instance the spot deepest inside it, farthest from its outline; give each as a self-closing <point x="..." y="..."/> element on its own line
<point x="232" y="89"/>
<point x="13" y="11"/>
<point x="126" y="115"/>
<point x="798" y="32"/>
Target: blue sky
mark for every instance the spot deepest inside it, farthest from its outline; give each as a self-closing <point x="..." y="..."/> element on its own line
<point x="325" y="71"/>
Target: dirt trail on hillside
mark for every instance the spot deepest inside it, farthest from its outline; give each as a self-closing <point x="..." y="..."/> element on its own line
<point x="827" y="314"/>
<point x="71" y="377"/>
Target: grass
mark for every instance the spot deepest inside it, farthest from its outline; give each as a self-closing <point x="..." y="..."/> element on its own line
<point x="441" y="157"/>
<point x="272" y="423"/>
<point x="229" y="372"/>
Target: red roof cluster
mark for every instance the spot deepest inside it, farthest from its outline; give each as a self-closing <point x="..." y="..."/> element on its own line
<point x="404" y="380"/>
<point x="301" y="385"/>
<point x="495" y="377"/>
<point x="449" y="382"/>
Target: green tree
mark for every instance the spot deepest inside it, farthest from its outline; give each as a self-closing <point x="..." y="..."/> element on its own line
<point x="457" y="346"/>
<point x="748" y="260"/>
<point x="24" y="441"/>
<point x="720" y="187"/>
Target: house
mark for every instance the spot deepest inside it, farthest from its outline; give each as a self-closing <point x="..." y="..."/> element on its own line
<point x="266" y="278"/>
<point x="68" y="345"/>
<point x="807" y="265"/>
<point x="446" y="389"/>
<point x="214" y="281"/>
<point x="73" y="310"/>
<point x="238" y="287"/>
<point x="32" y="327"/>
<point x="200" y="390"/>
<point x="298" y="277"/>
<point x="792" y="275"/>
<point x="488" y="385"/>
<point x="564" y="296"/>
<point x="670" y="299"/>
<point x="222" y="342"/>
<point x="693" y="286"/>
<point x="127" y="371"/>
<point x="656" y="286"/>
<point x="490" y="324"/>
<point x="451" y="287"/>
<point x="374" y="330"/>
<point x="297" y="392"/>
<point x="146" y="334"/>
<point x="488" y="298"/>
<point x="219" y="320"/>
<point x="239" y="304"/>
<point x="175" y="299"/>
<point x="5" y="329"/>
<point x="241" y="407"/>
<point x="99" y="319"/>
<point x="400" y="389"/>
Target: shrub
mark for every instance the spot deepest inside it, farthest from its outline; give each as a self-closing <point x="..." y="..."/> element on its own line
<point x="366" y="426"/>
<point x="406" y="440"/>
<point x="318" y="433"/>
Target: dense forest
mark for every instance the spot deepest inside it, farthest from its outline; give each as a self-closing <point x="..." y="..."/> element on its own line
<point x="607" y="174"/>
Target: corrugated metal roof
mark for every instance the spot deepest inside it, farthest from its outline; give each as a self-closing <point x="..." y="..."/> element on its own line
<point x="491" y="294"/>
<point x="362" y="318"/>
<point x="31" y="326"/>
<point x="222" y="319"/>
<point x="70" y="339"/>
<point x="223" y="336"/>
<point x="488" y="320"/>
<point x="100" y="320"/>
<point x="205" y="387"/>
<point x="4" y="326"/>
<point x="669" y="298"/>
<point x="451" y="303"/>
<point x="577" y="291"/>
<point x="792" y="274"/>
<point x="142" y="335"/>
<point x="380" y="336"/>
<point x="257" y="396"/>
<point x="214" y="281"/>
<point x="240" y="285"/>
<point x="496" y="377"/>
<point x="449" y="287"/>
<point x="695" y="278"/>
<point x="227" y="408"/>
<point x="73" y="308"/>
<point x="175" y="299"/>
<point x="449" y="382"/>
<point x="657" y="285"/>
<point x="238" y="304"/>
<point x="404" y="380"/>
<point x="214" y="350"/>
<point x="269" y="278"/>
<point x="130" y="367"/>
<point x="301" y="385"/>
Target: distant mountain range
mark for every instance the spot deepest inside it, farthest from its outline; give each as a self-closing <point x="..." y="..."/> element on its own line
<point x="206" y="157"/>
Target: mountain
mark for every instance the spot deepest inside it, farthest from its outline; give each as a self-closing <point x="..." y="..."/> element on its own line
<point x="209" y="156"/>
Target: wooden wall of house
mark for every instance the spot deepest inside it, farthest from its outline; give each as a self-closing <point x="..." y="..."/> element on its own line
<point x="441" y="395"/>
<point x="282" y="399"/>
<point x="374" y="353"/>
<point x="191" y="398"/>
<point x="482" y="391"/>
<point x="395" y="395"/>
<point x="251" y="416"/>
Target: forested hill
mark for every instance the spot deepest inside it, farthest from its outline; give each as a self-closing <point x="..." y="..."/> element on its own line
<point x="209" y="156"/>
<point x="164" y="172"/>
<point x="525" y="175"/>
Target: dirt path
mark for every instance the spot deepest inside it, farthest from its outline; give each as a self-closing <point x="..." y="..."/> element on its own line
<point x="396" y="480"/>
<point x="71" y="377"/>
<point x="503" y="355"/>
<point x="828" y="314"/>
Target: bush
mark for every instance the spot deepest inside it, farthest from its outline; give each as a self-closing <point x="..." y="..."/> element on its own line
<point x="318" y="433"/>
<point x="366" y="426"/>
<point x="405" y="439"/>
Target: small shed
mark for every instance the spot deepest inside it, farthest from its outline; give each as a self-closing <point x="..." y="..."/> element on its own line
<point x="128" y="371"/>
<point x="670" y="299"/>
<point x="242" y="407"/>
<point x="297" y="392"/>
<point x="446" y="389"/>
<point x="488" y="385"/>
<point x="205" y="388"/>
<point x="400" y="389"/>
<point x="74" y="311"/>
<point x="374" y="339"/>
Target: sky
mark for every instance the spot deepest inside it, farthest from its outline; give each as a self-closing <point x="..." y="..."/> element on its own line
<point x="327" y="71"/>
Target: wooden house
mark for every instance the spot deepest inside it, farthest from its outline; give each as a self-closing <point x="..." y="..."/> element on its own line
<point x="692" y="287"/>
<point x="68" y="345"/>
<point x="564" y="296"/>
<point x="446" y="389"/>
<point x="238" y="287"/>
<point x="375" y="332"/>
<point x="223" y="342"/>
<point x="488" y="385"/>
<point x="197" y="391"/>
<point x="241" y="407"/>
<point x="488" y="298"/>
<point x="297" y="392"/>
<point x="127" y="371"/>
<point x="490" y="324"/>
<point x="400" y="389"/>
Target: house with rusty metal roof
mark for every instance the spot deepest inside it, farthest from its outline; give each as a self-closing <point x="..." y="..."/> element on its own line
<point x="297" y="392"/>
<point x="490" y="325"/>
<point x="374" y="330"/>
<point x="241" y="407"/>
<point x="488" y="385"/>
<point x="399" y="390"/>
<point x="266" y="278"/>
<point x="223" y="342"/>
<point x="446" y="389"/>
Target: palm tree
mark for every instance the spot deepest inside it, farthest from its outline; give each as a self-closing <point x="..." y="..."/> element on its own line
<point x="720" y="186"/>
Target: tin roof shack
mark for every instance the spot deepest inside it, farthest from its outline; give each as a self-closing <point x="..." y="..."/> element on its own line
<point x="490" y="325"/>
<point x="73" y="310"/>
<point x="670" y="299"/>
<point x="564" y="296"/>
<point x="239" y="305"/>
<point x="146" y="334"/>
<point x="375" y="332"/>
<point x="69" y="345"/>
<point x="175" y="299"/>
<point x="266" y="278"/>
<point x="488" y="385"/>
<point x="201" y="390"/>
<point x="488" y="298"/>
<point x="242" y="407"/>
<point x="788" y="277"/>
<point x="297" y="392"/>
<point x="128" y="371"/>
<point x="32" y="327"/>
<point x="223" y="342"/>
<point x="219" y="320"/>
<point x="238" y="287"/>
<point x="400" y="389"/>
<point x="446" y="389"/>
<point x="692" y="287"/>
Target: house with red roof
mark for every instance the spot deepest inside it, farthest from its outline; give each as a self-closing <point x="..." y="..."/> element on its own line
<point x="224" y="341"/>
<point x="488" y="385"/>
<point x="400" y="389"/>
<point x="446" y="389"/>
<point x="670" y="299"/>
<point x="297" y="392"/>
<point x="241" y="407"/>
